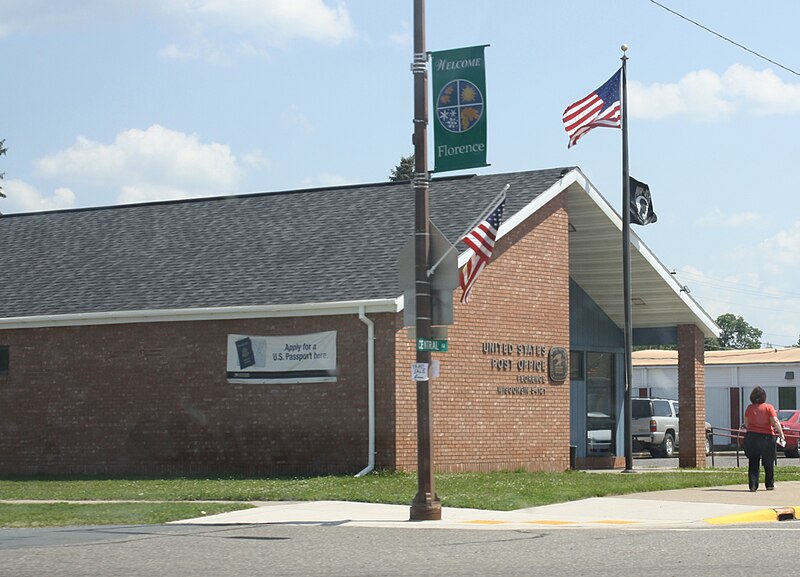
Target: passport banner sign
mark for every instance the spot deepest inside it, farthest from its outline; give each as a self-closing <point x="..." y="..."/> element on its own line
<point x="309" y="358"/>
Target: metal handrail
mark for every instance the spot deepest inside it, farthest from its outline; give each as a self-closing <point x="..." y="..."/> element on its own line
<point x="738" y="434"/>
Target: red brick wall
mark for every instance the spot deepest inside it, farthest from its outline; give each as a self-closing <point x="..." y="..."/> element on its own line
<point x="153" y="399"/>
<point x="522" y="297"/>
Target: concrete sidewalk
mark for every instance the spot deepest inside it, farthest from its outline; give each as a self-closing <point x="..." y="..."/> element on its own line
<point x="708" y="506"/>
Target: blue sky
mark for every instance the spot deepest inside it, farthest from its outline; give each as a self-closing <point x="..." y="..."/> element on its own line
<point x="115" y="101"/>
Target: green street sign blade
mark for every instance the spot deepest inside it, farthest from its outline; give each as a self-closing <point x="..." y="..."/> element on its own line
<point x="435" y="345"/>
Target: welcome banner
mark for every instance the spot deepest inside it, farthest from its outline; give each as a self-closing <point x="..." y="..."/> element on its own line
<point x="291" y="359"/>
<point x="459" y="92"/>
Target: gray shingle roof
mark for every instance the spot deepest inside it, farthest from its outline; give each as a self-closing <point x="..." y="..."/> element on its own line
<point x="303" y="246"/>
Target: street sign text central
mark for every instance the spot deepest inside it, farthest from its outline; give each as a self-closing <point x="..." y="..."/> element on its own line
<point x="436" y="345"/>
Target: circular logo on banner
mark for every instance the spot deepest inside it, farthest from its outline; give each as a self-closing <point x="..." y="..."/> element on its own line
<point x="459" y="106"/>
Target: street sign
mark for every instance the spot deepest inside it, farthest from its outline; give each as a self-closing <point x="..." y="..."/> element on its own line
<point x="436" y="345"/>
<point x="443" y="280"/>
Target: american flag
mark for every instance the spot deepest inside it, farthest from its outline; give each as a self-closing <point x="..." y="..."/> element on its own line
<point x="481" y="241"/>
<point x="600" y="108"/>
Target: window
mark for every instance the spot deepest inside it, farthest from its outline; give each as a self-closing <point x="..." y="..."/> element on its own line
<point x="641" y="409"/>
<point x="3" y="360"/>
<point x="575" y="365"/>
<point x="661" y="409"/>
<point x="787" y="397"/>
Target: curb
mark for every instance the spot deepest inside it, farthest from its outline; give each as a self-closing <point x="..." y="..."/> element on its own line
<point x="760" y="516"/>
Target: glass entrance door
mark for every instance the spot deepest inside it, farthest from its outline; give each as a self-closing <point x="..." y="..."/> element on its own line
<point x="601" y="418"/>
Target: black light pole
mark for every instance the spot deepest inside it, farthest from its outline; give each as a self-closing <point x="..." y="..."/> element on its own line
<point x="626" y="265"/>
<point x="426" y="505"/>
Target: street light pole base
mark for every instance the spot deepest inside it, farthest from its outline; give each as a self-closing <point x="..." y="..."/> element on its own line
<point x="426" y="509"/>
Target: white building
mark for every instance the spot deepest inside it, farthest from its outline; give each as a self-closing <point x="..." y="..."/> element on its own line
<point x="729" y="378"/>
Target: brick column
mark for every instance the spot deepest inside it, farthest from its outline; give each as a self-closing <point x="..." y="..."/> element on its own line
<point x="691" y="397"/>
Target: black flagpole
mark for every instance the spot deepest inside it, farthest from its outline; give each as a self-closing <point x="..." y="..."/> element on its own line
<point x="626" y="264"/>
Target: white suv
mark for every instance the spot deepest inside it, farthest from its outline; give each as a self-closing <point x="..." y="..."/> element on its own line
<point x="654" y="426"/>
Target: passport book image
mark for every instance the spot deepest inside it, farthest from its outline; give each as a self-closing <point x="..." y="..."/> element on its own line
<point x="244" y="348"/>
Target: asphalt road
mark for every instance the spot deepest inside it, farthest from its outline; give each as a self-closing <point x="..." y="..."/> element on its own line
<point x="278" y="550"/>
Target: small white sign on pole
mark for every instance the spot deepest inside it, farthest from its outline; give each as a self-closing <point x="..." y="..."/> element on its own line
<point x="419" y="372"/>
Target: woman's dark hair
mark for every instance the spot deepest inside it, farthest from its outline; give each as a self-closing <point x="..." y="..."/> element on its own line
<point x="758" y="396"/>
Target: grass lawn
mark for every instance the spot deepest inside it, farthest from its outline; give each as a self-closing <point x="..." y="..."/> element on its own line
<point x="73" y="514"/>
<point x="168" y="499"/>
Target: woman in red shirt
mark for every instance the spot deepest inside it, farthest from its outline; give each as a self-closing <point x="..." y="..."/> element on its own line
<point x="762" y="425"/>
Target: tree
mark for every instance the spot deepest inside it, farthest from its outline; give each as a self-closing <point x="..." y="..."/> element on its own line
<point x="735" y="333"/>
<point x="3" y="150"/>
<point x="404" y="170"/>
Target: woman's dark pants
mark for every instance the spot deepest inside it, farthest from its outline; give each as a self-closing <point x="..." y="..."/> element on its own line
<point x="760" y="449"/>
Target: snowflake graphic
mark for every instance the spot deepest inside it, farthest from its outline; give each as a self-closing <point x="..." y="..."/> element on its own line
<point x="449" y="119"/>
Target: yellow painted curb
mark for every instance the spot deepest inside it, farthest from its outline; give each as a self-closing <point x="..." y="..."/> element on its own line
<point x="760" y="516"/>
<point x="550" y="522"/>
<point x="485" y="522"/>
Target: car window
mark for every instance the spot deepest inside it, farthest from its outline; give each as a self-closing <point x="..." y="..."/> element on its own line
<point x="785" y="415"/>
<point x="661" y="409"/>
<point x="640" y="409"/>
<point x="675" y="408"/>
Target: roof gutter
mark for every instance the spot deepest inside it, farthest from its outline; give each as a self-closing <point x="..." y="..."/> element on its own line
<point x="205" y="314"/>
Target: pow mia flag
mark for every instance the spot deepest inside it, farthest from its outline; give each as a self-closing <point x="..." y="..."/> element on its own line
<point x="641" y="204"/>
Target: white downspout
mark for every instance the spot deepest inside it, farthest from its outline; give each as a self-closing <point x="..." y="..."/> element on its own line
<point x="371" y="386"/>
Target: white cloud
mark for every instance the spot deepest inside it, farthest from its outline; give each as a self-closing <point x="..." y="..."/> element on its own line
<point x="152" y="164"/>
<point x="718" y="219"/>
<point x="403" y="38"/>
<point x="218" y="29"/>
<point x="132" y="193"/>
<point x="781" y="253"/>
<point x="697" y="94"/>
<point x="22" y="197"/>
<point x="763" y="290"/>
<point x="214" y="27"/>
<point x="744" y="219"/>
<point x="764" y="91"/>
<point x="714" y="295"/>
<point x="707" y="96"/>
<point x="275" y="21"/>
<point x="173" y="52"/>
<point x="256" y="159"/>
<point x="22" y="16"/>
<point x="297" y="119"/>
<point x="326" y="179"/>
<point x="750" y="293"/>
